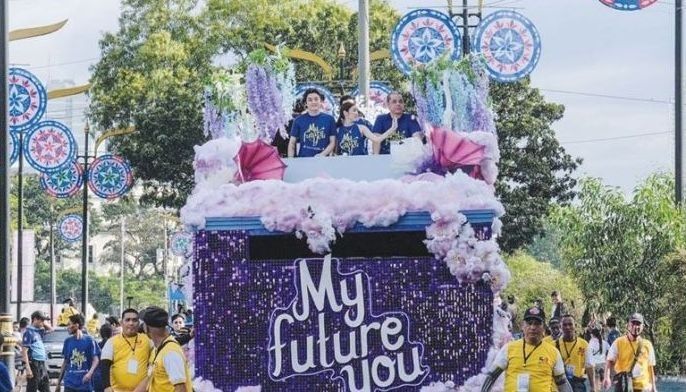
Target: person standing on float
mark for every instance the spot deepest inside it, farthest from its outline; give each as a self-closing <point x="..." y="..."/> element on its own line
<point x="314" y="131"/>
<point x="404" y="124"/>
<point x="351" y="136"/>
<point x="529" y="363"/>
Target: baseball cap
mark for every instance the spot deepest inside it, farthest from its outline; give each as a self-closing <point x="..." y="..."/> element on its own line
<point x="636" y="317"/>
<point x="554" y="320"/>
<point x="39" y="315"/>
<point x="154" y="316"/>
<point x="69" y="299"/>
<point x="534" y="313"/>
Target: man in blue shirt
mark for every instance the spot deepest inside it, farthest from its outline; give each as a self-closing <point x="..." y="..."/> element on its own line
<point x="34" y="354"/>
<point x="404" y="124"/>
<point x="5" y="381"/>
<point x="81" y="356"/>
<point x="314" y="131"/>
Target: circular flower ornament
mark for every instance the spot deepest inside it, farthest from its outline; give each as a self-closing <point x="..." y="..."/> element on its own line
<point x="49" y="146"/>
<point x="71" y="227"/>
<point x="510" y="44"/>
<point x="109" y="176"/>
<point x="63" y="183"/>
<point x="182" y="243"/>
<point x="27" y="99"/>
<point x="423" y="36"/>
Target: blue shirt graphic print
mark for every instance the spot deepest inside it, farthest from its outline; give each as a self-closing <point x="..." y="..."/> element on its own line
<point x="33" y="339"/>
<point x="350" y="141"/>
<point x="407" y="126"/>
<point x="79" y="354"/>
<point x="313" y="133"/>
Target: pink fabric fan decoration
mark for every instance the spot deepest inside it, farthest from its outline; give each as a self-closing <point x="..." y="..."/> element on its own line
<point x="452" y="151"/>
<point x="258" y="161"/>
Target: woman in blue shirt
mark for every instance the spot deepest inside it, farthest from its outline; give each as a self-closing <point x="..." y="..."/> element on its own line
<point x="351" y="133"/>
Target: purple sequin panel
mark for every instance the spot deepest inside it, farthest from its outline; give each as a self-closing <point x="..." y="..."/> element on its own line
<point x="235" y="298"/>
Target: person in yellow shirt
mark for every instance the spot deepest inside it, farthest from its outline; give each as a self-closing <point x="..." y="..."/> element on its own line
<point x="68" y="310"/>
<point x="632" y="358"/>
<point x="529" y="363"/>
<point x="125" y="356"/>
<point x="169" y="369"/>
<point x="93" y="325"/>
<point x="555" y="333"/>
<point x="575" y="355"/>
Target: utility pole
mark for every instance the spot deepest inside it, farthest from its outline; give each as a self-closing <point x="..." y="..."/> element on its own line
<point x="84" y="236"/>
<point x="53" y="280"/>
<point x="121" y="266"/>
<point x="5" y="240"/>
<point x="678" y="150"/>
<point x="363" y="48"/>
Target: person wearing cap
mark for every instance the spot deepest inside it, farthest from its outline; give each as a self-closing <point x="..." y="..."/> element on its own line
<point x="529" y="363"/>
<point x="34" y="353"/>
<point x="555" y="331"/>
<point x="81" y="356"/>
<point x="93" y="325"/>
<point x="575" y="355"/>
<point x="632" y="358"/>
<point x="125" y="356"/>
<point x="168" y="368"/>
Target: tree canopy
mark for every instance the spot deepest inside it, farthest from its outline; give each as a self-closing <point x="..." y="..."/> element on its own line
<point x="625" y="254"/>
<point x="152" y="72"/>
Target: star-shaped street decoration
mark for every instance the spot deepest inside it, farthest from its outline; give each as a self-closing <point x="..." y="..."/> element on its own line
<point x="110" y="177"/>
<point x="427" y="45"/>
<point x="19" y="100"/>
<point x="507" y="46"/>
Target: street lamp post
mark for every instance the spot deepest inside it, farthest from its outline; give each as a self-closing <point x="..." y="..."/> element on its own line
<point x="340" y="55"/>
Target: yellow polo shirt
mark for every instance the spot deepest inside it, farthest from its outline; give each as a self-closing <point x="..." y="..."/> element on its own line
<point x="535" y="365"/>
<point x="623" y="351"/>
<point x="129" y="356"/>
<point x="169" y="367"/>
<point x="574" y="356"/>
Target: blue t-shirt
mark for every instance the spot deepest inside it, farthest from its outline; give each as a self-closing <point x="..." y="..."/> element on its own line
<point x="5" y="381"/>
<point x="79" y="354"/>
<point x="33" y="339"/>
<point x="313" y="133"/>
<point x="350" y="141"/>
<point x="407" y="126"/>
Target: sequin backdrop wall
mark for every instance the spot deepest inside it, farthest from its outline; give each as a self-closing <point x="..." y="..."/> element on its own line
<point x="235" y="296"/>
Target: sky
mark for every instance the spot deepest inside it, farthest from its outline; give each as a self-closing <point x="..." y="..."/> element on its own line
<point x="612" y="70"/>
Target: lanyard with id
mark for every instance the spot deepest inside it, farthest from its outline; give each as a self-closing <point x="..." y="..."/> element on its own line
<point x="132" y="364"/>
<point x="523" y="378"/>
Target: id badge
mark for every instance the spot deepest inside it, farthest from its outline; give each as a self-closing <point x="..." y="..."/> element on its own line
<point x="637" y="371"/>
<point x="569" y="371"/>
<point x="132" y="366"/>
<point x="523" y="382"/>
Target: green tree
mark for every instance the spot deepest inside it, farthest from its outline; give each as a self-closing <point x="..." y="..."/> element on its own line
<point x="144" y="235"/>
<point x="152" y="70"/>
<point x="533" y="279"/>
<point x="535" y="170"/>
<point x="618" y="249"/>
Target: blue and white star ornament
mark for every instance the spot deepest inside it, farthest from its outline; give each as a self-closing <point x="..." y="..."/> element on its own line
<point x="70" y="227"/>
<point x="27" y="100"/>
<point x="63" y="183"/>
<point x="510" y="45"/>
<point x="628" y="5"/>
<point x="49" y="146"/>
<point x="422" y="36"/>
<point x="110" y="176"/>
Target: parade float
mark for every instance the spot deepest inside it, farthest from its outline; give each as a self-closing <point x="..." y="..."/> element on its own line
<point x="347" y="273"/>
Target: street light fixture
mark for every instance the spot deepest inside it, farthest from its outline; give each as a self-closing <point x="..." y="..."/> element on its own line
<point x="340" y="55"/>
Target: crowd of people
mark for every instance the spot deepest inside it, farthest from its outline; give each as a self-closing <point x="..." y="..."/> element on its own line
<point x="314" y="133"/>
<point x="139" y="352"/>
<point x="555" y="355"/>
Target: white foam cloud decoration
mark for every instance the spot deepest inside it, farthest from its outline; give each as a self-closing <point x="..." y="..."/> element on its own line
<point x="202" y="385"/>
<point x="214" y="163"/>
<point x="255" y="388"/>
<point x="438" y="386"/>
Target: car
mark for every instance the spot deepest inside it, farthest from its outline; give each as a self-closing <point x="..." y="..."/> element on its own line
<point x="53" y="342"/>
